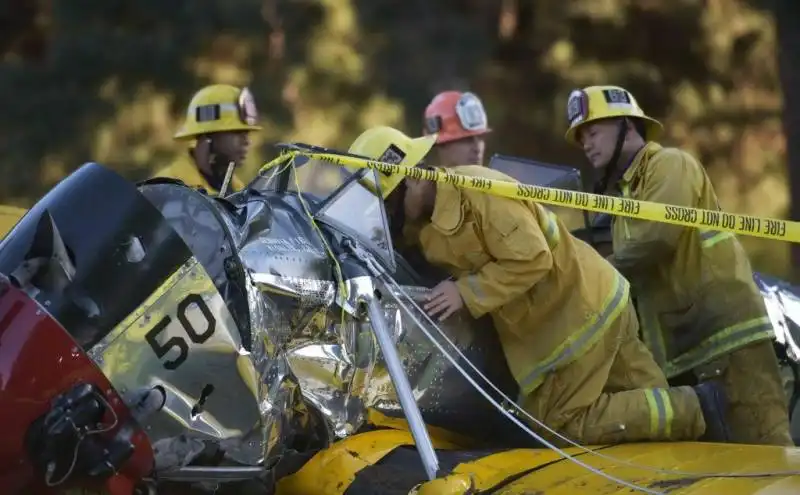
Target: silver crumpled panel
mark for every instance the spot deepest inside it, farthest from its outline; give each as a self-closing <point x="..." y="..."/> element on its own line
<point x="186" y="340"/>
<point x="337" y="361"/>
<point x="195" y="354"/>
<point x="306" y="360"/>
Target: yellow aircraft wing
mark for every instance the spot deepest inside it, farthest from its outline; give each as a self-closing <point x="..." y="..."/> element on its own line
<point x="383" y="461"/>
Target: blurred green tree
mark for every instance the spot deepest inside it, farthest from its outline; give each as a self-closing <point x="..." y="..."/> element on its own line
<point x="108" y="81"/>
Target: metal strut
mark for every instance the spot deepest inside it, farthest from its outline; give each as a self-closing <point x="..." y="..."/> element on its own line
<point x="399" y="378"/>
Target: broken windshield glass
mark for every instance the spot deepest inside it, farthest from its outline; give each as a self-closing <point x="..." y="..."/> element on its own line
<point x="342" y="200"/>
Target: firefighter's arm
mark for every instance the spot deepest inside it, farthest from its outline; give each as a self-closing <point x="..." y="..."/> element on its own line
<point x="669" y="178"/>
<point x="519" y="251"/>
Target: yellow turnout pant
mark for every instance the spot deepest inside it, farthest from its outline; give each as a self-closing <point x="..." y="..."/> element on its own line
<point x="616" y="392"/>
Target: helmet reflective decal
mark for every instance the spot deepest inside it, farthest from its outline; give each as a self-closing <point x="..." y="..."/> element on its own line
<point x="471" y="113"/>
<point x="207" y="113"/>
<point x="617" y="98"/>
<point x="393" y="155"/>
<point x="433" y="124"/>
<point x="248" y="113"/>
<point x="577" y="107"/>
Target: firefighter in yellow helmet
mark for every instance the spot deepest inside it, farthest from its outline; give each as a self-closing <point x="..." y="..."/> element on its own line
<point x="701" y="313"/>
<point x="562" y="312"/>
<point x="218" y="122"/>
<point x="389" y="145"/>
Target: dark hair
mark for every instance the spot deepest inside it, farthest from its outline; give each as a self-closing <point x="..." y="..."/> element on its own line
<point x="396" y="211"/>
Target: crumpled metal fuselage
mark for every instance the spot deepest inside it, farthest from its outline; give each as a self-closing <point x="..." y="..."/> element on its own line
<point x="229" y="307"/>
<point x="233" y="308"/>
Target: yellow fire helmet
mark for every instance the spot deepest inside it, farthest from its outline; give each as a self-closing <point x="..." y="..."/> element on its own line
<point x="388" y="145"/>
<point x="603" y="102"/>
<point x="219" y="108"/>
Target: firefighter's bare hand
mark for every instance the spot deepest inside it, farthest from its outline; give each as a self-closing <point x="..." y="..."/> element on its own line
<point x="444" y="300"/>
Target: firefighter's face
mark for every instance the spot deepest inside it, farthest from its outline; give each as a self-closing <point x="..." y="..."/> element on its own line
<point x="467" y="151"/>
<point x="419" y="199"/>
<point x="598" y="140"/>
<point x="233" y="145"/>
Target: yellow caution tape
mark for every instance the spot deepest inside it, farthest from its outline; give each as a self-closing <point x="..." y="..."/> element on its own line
<point x="769" y="228"/>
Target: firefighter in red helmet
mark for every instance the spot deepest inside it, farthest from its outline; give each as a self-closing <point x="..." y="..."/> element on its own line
<point x="460" y="121"/>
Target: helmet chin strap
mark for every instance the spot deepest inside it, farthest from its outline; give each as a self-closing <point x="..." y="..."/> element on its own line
<point x="613" y="163"/>
<point x="217" y="164"/>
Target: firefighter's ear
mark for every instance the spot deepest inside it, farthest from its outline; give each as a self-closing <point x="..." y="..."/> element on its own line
<point x="201" y="152"/>
<point x="203" y="145"/>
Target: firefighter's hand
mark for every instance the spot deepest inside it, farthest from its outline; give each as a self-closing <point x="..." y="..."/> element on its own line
<point x="444" y="300"/>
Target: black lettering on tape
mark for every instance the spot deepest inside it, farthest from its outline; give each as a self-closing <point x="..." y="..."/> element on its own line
<point x="775" y="228"/>
<point x="481" y="183"/>
<point x="380" y="167"/>
<point x="680" y="214"/>
<point x="629" y="206"/>
<point x="563" y="197"/>
<point x="728" y="221"/>
<point x="325" y="158"/>
<point x="710" y="218"/>
<point x="749" y="224"/>
<point x="533" y="193"/>
<point x="604" y="203"/>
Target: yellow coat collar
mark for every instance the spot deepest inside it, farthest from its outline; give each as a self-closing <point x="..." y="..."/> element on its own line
<point x="448" y="209"/>
<point x="187" y="172"/>
<point x="640" y="160"/>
